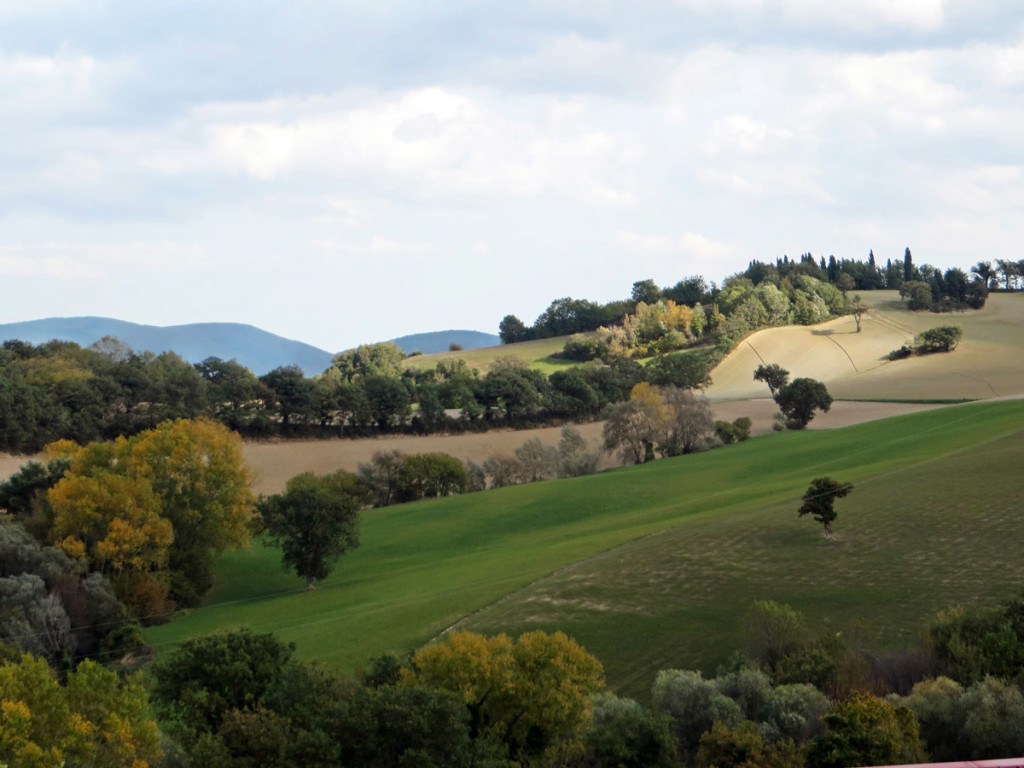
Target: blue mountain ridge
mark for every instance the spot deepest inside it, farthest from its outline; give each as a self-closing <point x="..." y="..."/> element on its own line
<point x="256" y="349"/>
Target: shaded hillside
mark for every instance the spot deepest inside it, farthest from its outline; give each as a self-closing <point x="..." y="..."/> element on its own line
<point x="441" y="341"/>
<point x="258" y="350"/>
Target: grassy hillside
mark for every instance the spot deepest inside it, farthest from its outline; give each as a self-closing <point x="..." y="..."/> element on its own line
<point x="653" y="566"/>
<point x="536" y="353"/>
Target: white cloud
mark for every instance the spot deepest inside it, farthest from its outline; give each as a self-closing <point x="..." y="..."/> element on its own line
<point x="47" y="84"/>
<point x="858" y="14"/>
<point x="434" y="142"/>
<point x="74" y="261"/>
<point x="663" y="255"/>
<point x="866" y="14"/>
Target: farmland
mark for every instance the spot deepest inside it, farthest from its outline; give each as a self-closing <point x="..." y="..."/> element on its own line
<point x="653" y="566"/>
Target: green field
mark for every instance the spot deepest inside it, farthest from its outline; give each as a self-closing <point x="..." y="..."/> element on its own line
<point x="653" y="566"/>
<point x="536" y="353"/>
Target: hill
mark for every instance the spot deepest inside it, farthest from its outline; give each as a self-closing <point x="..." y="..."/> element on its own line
<point x="536" y="353"/>
<point x="440" y="341"/>
<point x="653" y="566"/>
<point x="256" y="349"/>
<point x="988" y="363"/>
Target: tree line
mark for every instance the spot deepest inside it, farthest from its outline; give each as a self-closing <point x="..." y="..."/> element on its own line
<point x="787" y="697"/>
<point x="712" y="305"/>
<point x="58" y="390"/>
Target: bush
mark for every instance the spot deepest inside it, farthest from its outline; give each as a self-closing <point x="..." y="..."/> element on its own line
<point x="584" y="349"/>
<point x="943" y="338"/>
<point x="734" y="432"/>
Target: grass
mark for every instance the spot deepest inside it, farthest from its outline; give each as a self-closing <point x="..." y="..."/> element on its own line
<point x="918" y="401"/>
<point x="653" y="566"/>
<point x="536" y="353"/>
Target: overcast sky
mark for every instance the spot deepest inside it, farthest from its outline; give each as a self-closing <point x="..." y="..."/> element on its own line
<point x="346" y="172"/>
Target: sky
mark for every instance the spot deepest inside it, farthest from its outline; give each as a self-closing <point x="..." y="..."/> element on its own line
<point x="348" y="172"/>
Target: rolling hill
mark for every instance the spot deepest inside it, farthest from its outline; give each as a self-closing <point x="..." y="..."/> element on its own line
<point x="653" y="566"/>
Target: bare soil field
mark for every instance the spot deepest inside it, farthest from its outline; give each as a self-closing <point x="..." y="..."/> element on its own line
<point x="988" y="363"/>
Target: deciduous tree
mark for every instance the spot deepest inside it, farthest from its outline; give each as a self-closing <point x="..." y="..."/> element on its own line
<point x="314" y="521"/>
<point x="799" y="399"/>
<point x="819" y="501"/>
<point x="865" y="730"/>
<point x="529" y="694"/>
<point x="774" y="375"/>
<point x="92" y="721"/>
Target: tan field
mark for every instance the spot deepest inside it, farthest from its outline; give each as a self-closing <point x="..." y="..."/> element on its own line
<point x="274" y="462"/>
<point x="988" y="363"/>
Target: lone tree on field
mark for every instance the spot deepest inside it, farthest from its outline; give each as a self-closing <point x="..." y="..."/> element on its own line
<point x="857" y="309"/>
<point x="799" y="399"/>
<point x="819" y="500"/>
<point x="315" y="521"/>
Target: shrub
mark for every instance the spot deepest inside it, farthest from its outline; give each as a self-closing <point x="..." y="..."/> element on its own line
<point x="943" y="338"/>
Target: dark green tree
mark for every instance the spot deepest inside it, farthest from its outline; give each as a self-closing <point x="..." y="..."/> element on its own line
<point x="646" y="291"/>
<point x="388" y="398"/>
<point x="943" y="338"/>
<point x="683" y="369"/>
<point x="799" y="399"/>
<point x="291" y="391"/>
<point x="819" y="501"/>
<point x="625" y="735"/>
<point x="196" y="685"/>
<point x="314" y="521"/>
<point x="688" y="291"/>
<point x="511" y="330"/>
<point x="774" y="375"/>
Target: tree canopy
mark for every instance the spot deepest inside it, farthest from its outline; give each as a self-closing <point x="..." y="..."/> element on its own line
<point x="314" y="521"/>
<point x="819" y="501"/>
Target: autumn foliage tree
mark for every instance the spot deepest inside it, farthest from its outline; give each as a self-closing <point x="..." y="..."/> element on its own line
<point x="153" y="508"/>
<point x="529" y="694"/>
<point x="93" y="720"/>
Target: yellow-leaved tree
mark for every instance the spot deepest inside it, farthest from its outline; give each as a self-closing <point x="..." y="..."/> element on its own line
<point x="150" y="510"/>
<point x="533" y="693"/>
<point x="92" y="721"/>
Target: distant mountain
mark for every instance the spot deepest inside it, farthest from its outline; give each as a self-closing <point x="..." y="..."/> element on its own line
<point x="439" y="341"/>
<point x="259" y="350"/>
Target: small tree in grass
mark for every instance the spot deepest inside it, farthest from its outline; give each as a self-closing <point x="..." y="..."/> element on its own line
<point x="819" y="501"/>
